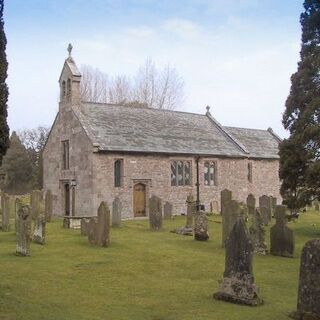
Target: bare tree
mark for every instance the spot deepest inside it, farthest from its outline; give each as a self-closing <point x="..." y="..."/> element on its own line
<point x="152" y="87"/>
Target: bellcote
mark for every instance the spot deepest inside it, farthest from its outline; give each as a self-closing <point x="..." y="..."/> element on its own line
<point x="70" y="80"/>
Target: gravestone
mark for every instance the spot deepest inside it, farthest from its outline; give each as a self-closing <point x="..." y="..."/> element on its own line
<point x="230" y="210"/>
<point x="238" y="284"/>
<point x="91" y="231"/>
<point x="84" y="226"/>
<point x="308" y="306"/>
<point x="281" y="237"/>
<point x="35" y="203"/>
<point x="214" y="207"/>
<point x="187" y="230"/>
<point x="48" y="200"/>
<point x="116" y="212"/>
<point x="39" y="234"/>
<point x="103" y="225"/>
<point x="273" y="205"/>
<point x="23" y="231"/>
<point x="265" y="208"/>
<point x="316" y="205"/>
<point x="251" y="204"/>
<point x="167" y="210"/>
<point x="5" y="212"/>
<point x="201" y="227"/>
<point x="17" y="207"/>
<point x="155" y="213"/>
<point x="257" y="234"/>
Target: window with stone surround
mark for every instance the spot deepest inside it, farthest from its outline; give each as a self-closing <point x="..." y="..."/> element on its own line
<point x="249" y="171"/>
<point x="180" y="173"/>
<point x="65" y="154"/>
<point x="210" y="173"/>
<point x="118" y="173"/>
<point x="63" y="90"/>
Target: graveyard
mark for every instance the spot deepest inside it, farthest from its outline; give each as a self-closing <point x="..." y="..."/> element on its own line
<point x="142" y="274"/>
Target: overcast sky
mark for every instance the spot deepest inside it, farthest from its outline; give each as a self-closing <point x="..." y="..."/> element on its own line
<point x="235" y="55"/>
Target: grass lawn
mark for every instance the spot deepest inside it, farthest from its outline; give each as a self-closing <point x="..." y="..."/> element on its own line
<point x="143" y="275"/>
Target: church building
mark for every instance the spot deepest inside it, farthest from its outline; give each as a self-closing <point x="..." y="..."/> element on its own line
<point x="96" y="152"/>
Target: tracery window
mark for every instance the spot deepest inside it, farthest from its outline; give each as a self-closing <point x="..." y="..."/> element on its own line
<point x="180" y="173"/>
<point x="210" y="173"/>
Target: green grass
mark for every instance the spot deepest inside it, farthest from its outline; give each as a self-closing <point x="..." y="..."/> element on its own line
<point x="142" y="275"/>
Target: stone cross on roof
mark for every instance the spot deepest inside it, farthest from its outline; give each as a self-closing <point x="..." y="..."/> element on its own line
<point x="70" y="47"/>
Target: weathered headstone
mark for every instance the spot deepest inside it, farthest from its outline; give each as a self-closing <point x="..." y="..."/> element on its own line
<point x="251" y="204"/>
<point x="39" y="234"/>
<point x="155" y="213"/>
<point x="17" y="207"/>
<point x="238" y="284"/>
<point x="273" y="205"/>
<point x="23" y="231"/>
<point x="48" y="206"/>
<point x="230" y="210"/>
<point x="84" y="226"/>
<point x="265" y="208"/>
<point x="308" y="306"/>
<point x="35" y="203"/>
<point x="214" y="207"/>
<point x="201" y="227"/>
<point x="281" y="237"/>
<point x="91" y="231"/>
<point x="257" y="234"/>
<point x="191" y="208"/>
<point x="5" y="212"/>
<point x="116" y="212"/>
<point x="103" y="225"/>
<point x="167" y="210"/>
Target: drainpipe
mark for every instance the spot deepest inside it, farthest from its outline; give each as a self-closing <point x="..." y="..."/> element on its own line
<point x="198" y="184"/>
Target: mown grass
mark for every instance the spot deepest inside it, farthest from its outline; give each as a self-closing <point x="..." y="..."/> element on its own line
<point x="142" y="275"/>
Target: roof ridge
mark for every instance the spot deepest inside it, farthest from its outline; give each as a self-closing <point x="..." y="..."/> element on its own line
<point x="233" y="127"/>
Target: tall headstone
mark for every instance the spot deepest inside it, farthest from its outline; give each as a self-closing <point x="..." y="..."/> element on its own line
<point x="23" y="231"/>
<point x="214" y="207"/>
<point x="39" y="234"/>
<point x="308" y="306"/>
<point x="251" y="204"/>
<point x="5" y="212"/>
<point x="230" y="210"/>
<point x="265" y="208"/>
<point x="103" y="225"/>
<point x="17" y="207"/>
<point x="273" y="205"/>
<point x="257" y="234"/>
<point x="91" y="231"/>
<point x="281" y="237"/>
<point x="167" y="210"/>
<point x="155" y="213"/>
<point x="191" y="209"/>
<point x="116" y="212"/>
<point x="48" y="205"/>
<point x="238" y="284"/>
<point x="84" y="226"/>
<point x="201" y="227"/>
<point x="35" y="203"/>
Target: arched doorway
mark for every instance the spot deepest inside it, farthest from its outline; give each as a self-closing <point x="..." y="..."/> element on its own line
<point x="139" y="200"/>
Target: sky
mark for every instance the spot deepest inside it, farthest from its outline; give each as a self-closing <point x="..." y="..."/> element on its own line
<point x="236" y="56"/>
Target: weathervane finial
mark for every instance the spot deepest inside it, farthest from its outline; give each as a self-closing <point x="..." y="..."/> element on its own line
<point x="70" y="49"/>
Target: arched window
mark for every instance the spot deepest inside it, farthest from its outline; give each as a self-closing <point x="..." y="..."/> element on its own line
<point x="118" y="164"/>
<point x="210" y="173"/>
<point x="69" y="89"/>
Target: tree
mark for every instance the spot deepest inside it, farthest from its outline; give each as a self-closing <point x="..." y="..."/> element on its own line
<point x="34" y="141"/>
<point x="16" y="167"/>
<point x="4" y="128"/>
<point x="300" y="153"/>
<point x="151" y="86"/>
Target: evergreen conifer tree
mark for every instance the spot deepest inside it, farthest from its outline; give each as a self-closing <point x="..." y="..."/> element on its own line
<point x="300" y="153"/>
<point x="4" y="129"/>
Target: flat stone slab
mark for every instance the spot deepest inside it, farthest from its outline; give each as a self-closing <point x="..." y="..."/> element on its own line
<point x="184" y="231"/>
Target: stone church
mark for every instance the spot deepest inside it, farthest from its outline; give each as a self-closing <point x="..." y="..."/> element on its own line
<point x="96" y="152"/>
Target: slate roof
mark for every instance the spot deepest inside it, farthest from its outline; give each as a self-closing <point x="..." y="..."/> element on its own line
<point x="259" y="143"/>
<point x="129" y="129"/>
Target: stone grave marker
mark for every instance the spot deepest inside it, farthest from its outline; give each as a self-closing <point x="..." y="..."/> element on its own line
<point x="116" y="212"/>
<point x="265" y="208"/>
<point x="35" y="203"/>
<point x="48" y="205"/>
<point x="214" y="207"/>
<point x="39" y="234"/>
<point x="5" y="212"/>
<point x="257" y="234"/>
<point x="84" y="226"/>
<point x="167" y="210"/>
<point x="155" y="213"/>
<point x="23" y="231"/>
<point x="316" y="205"/>
<point x="201" y="227"/>
<point x="103" y="225"/>
<point x="308" y="306"/>
<point x="251" y="204"/>
<point x="91" y="230"/>
<point x="238" y="284"/>
<point x="230" y="210"/>
<point x="17" y="207"/>
<point x="281" y="237"/>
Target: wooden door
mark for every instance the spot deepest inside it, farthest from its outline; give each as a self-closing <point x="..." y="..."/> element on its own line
<point x="139" y="200"/>
<point x="67" y="199"/>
